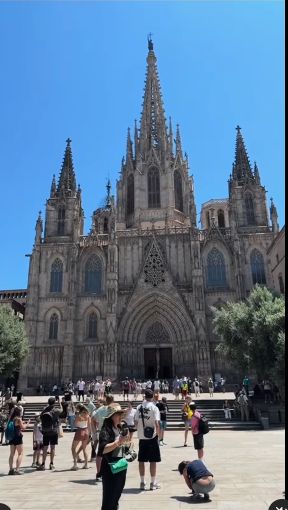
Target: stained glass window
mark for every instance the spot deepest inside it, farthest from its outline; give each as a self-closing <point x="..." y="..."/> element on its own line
<point x="92" y="325"/>
<point x="221" y="219"/>
<point x="61" y="221"/>
<point x="249" y="206"/>
<point x="178" y="191"/>
<point x="56" y="276"/>
<point x="93" y="275"/>
<point x="53" y="327"/>
<point x="153" y="188"/>
<point x="216" y="271"/>
<point x="257" y="267"/>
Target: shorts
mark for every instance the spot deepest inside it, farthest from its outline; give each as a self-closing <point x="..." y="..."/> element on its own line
<point x="188" y="423"/>
<point x="203" y="489"/>
<point x="149" y="450"/>
<point x="184" y="392"/>
<point x="163" y="424"/>
<point x="16" y="441"/>
<point x="81" y="435"/>
<point x="50" y="438"/>
<point x="37" y="447"/>
<point x="198" y="441"/>
<point x="126" y="392"/>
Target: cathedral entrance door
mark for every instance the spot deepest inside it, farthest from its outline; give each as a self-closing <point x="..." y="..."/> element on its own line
<point x="158" y="362"/>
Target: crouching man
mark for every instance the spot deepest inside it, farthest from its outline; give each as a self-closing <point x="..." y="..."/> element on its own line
<point x="198" y="478"/>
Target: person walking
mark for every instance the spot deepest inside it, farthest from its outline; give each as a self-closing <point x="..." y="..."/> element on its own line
<point x="82" y="434"/>
<point x="15" y="427"/>
<point x="246" y="383"/>
<point x="37" y="441"/>
<point x="50" y="420"/>
<point x="187" y="417"/>
<point x="196" y="387"/>
<point x="99" y="416"/>
<point x="198" y="438"/>
<point x="243" y="405"/>
<point x="211" y="387"/>
<point x="71" y="415"/>
<point x="129" y="418"/>
<point x="147" y="421"/>
<point x="198" y="478"/>
<point x="111" y="444"/>
<point x="163" y="408"/>
<point x="80" y="387"/>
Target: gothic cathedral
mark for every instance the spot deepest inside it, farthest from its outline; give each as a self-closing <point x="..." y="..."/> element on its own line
<point x="133" y="296"/>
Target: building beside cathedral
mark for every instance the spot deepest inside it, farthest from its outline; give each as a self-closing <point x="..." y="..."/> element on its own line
<point x="133" y="296"/>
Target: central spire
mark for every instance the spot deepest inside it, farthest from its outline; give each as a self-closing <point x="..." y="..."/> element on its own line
<point x="242" y="168"/>
<point x="153" y="131"/>
<point x="67" y="180"/>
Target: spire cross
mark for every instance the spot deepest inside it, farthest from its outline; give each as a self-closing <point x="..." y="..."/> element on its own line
<point x="238" y="128"/>
<point x="68" y="141"/>
<point x="150" y="43"/>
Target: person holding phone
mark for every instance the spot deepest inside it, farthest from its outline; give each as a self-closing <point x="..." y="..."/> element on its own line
<point x="16" y="441"/>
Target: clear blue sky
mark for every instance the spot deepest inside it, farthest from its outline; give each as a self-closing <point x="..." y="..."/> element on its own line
<point x="77" y="69"/>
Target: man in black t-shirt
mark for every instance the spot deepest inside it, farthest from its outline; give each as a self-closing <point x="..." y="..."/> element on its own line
<point x="163" y="408"/>
<point x="198" y="478"/>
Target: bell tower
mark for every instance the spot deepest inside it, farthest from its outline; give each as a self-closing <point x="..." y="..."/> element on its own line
<point x="155" y="188"/>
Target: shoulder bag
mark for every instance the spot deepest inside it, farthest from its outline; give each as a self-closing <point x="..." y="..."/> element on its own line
<point x="147" y="431"/>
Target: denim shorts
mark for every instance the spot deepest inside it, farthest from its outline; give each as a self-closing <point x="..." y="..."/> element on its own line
<point x="203" y="489"/>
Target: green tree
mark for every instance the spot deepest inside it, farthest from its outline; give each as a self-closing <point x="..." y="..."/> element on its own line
<point x="251" y="332"/>
<point x="13" y="341"/>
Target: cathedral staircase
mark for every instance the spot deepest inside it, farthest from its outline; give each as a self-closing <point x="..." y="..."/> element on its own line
<point x="211" y="408"/>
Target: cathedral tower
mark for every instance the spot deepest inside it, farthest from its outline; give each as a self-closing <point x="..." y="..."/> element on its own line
<point x="154" y="187"/>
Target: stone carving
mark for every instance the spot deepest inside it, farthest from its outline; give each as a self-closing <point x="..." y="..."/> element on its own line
<point x="154" y="266"/>
<point x="157" y="334"/>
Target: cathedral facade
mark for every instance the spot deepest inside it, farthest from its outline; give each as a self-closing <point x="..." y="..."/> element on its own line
<point x="133" y="296"/>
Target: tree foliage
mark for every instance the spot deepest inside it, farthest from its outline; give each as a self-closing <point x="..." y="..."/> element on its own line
<point x="13" y="341"/>
<point x="251" y="332"/>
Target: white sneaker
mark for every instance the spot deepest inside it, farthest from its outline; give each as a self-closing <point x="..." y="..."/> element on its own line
<point x="142" y="486"/>
<point x="154" y="486"/>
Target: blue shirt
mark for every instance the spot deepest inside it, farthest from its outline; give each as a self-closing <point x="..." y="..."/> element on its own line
<point x="196" y="470"/>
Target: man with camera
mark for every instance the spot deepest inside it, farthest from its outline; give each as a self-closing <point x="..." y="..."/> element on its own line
<point x="147" y="421"/>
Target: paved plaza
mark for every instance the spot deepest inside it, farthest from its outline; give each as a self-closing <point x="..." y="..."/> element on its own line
<point x="248" y="468"/>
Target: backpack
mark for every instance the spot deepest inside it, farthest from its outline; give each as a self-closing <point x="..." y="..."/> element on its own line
<point x="10" y="431"/>
<point x="203" y="425"/>
<point x="49" y="423"/>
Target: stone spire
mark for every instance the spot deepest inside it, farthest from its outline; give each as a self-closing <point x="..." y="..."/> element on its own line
<point x="171" y="140"/>
<point x="129" y="148"/>
<point x="242" y="168"/>
<point x="53" y="190"/>
<point x="178" y="143"/>
<point x="256" y="174"/>
<point x="108" y="196"/>
<point x="153" y="123"/>
<point x="274" y="217"/>
<point x="38" y="229"/>
<point x="67" y="180"/>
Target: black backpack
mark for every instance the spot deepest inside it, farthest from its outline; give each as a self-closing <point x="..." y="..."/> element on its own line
<point x="49" y="422"/>
<point x="203" y="425"/>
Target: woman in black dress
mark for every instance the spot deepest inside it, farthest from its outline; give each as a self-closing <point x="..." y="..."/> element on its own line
<point x="111" y="448"/>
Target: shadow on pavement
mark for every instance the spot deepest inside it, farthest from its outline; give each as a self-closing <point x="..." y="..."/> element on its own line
<point x="84" y="482"/>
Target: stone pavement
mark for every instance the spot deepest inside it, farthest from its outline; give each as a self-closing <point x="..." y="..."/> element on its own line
<point x="248" y="468"/>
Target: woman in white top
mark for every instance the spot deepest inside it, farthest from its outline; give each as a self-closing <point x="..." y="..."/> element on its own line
<point x="129" y="418"/>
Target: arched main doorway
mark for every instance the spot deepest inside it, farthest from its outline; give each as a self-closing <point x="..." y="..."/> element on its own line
<point x="157" y="359"/>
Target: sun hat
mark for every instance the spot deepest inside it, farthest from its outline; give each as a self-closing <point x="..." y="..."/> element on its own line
<point x="114" y="409"/>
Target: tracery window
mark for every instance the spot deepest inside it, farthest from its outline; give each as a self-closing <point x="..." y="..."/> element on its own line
<point x="130" y="194"/>
<point x="105" y="225"/>
<point x="216" y="271"/>
<point x="157" y="334"/>
<point x="221" y="219"/>
<point x="56" y="276"/>
<point x="249" y="207"/>
<point x="153" y="188"/>
<point x="61" y="221"/>
<point x="257" y="267"/>
<point x="53" y="327"/>
<point x="178" y="191"/>
<point x="208" y="219"/>
<point x="93" y="275"/>
<point x="92" y="325"/>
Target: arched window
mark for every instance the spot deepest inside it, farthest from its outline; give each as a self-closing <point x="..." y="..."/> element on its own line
<point x="257" y="267"/>
<point x="281" y="284"/>
<point x="56" y="276"/>
<point x="53" y="327"/>
<point x="93" y="275"/>
<point x="221" y="219"/>
<point x="92" y="325"/>
<point x="249" y="207"/>
<point x="178" y="191"/>
<point x="61" y="221"/>
<point x="130" y="194"/>
<point x="105" y="225"/>
<point x="153" y="188"/>
<point x="208" y="219"/>
<point x="216" y="271"/>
